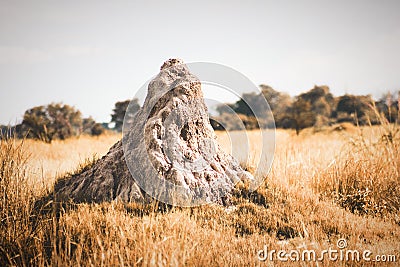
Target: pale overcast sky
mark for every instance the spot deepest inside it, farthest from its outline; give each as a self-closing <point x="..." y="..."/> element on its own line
<point x="91" y="54"/>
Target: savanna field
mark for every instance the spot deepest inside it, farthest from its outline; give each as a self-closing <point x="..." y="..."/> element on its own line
<point x="342" y="182"/>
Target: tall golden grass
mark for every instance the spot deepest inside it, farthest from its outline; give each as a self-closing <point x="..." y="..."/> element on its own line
<point x="322" y="186"/>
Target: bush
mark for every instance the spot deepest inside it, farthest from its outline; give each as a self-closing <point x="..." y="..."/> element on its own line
<point x="97" y="129"/>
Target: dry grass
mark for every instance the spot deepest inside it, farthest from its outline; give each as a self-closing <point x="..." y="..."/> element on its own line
<point x="323" y="186"/>
<point x="49" y="161"/>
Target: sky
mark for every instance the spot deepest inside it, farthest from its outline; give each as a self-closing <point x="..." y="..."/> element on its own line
<point x="91" y="54"/>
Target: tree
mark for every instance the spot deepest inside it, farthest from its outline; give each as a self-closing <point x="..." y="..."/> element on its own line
<point x="97" y="129"/>
<point x="279" y="103"/>
<point x="225" y="108"/>
<point x="247" y="104"/>
<point x="65" y="121"/>
<point x="301" y="114"/>
<point x="87" y="125"/>
<point x="35" y="124"/>
<point x="321" y="100"/>
<point x="322" y="107"/>
<point x="54" y="121"/>
<point x="231" y="122"/>
<point x="389" y="105"/>
<point x="312" y="108"/>
<point x="253" y="106"/>
<point x="355" y="107"/>
<point x="90" y="126"/>
<point x="318" y="92"/>
<point x="119" y="111"/>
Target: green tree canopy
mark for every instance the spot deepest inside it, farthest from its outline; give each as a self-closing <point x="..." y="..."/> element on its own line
<point x="119" y="111"/>
<point x="53" y="121"/>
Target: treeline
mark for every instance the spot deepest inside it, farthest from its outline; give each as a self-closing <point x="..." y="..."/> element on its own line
<point x="57" y="121"/>
<point x="51" y="122"/>
<point x="315" y="108"/>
